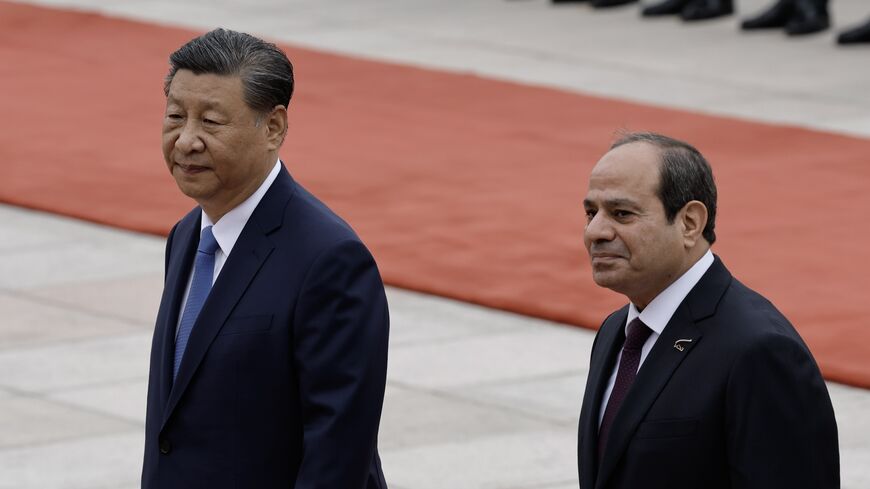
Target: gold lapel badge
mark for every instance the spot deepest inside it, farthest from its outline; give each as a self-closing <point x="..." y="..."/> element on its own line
<point x="678" y="344"/>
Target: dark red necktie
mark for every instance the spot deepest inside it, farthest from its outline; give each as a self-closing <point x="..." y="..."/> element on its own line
<point x="628" y="364"/>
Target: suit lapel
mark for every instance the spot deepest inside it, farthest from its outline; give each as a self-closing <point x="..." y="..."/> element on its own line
<point x="248" y="256"/>
<point x="681" y="331"/>
<point x="610" y="338"/>
<point x="184" y="243"/>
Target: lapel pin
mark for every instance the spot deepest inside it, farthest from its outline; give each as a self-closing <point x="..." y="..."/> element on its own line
<point x="678" y="344"/>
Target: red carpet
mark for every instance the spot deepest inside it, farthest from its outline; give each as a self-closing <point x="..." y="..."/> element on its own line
<point x="462" y="186"/>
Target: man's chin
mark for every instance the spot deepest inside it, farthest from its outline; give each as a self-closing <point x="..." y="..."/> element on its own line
<point x="194" y="191"/>
<point x="609" y="278"/>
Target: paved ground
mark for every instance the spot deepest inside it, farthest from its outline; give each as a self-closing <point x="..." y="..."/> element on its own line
<point x="476" y="398"/>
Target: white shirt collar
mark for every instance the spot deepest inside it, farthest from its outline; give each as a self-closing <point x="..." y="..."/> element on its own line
<point x="229" y="227"/>
<point x="658" y="312"/>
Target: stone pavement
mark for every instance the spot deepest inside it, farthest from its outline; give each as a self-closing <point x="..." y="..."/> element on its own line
<point x="476" y="398"/>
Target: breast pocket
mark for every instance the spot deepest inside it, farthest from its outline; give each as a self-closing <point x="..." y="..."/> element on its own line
<point x="667" y="428"/>
<point x="247" y="324"/>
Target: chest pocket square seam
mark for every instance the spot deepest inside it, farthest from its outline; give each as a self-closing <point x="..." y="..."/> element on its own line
<point x="247" y="324"/>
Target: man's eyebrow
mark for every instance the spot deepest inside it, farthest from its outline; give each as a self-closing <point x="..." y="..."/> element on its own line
<point x="620" y="202"/>
<point x="210" y="104"/>
<point x="616" y="202"/>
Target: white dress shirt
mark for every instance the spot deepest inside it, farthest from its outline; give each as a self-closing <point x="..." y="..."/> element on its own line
<point x="657" y="314"/>
<point x="228" y="228"/>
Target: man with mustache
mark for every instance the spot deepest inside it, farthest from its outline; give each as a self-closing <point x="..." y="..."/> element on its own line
<point x="268" y="363"/>
<point x="699" y="382"/>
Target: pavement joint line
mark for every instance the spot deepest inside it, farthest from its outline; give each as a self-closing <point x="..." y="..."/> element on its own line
<point x="24" y="295"/>
<point x="579" y="372"/>
<point x="95" y="385"/>
<point x="16" y="392"/>
<point x="82" y="224"/>
<point x="452" y="339"/>
<point x="39" y="394"/>
<point x="470" y="308"/>
<point x="44" y="397"/>
<point x="42" y="345"/>
<point x="456" y="397"/>
<point x="65" y="439"/>
<point x="543" y="485"/>
<point x="35" y="346"/>
<point x="5" y="251"/>
<point x="501" y="332"/>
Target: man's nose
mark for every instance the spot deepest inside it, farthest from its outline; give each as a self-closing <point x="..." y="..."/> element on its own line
<point x="599" y="228"/>
<point x="189" y="141"/>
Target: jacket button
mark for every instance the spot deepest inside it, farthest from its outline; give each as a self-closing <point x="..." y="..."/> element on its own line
<point x="165" y="446"/>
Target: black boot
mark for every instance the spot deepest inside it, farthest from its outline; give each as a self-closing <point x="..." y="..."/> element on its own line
<point x="855" y="35"/>
<point x="667" y="7"/>
<point x="809" y="16"/>
<point x="775" y="17"/>
<point x="707" y="9"/>
<point x="610" y="3"/>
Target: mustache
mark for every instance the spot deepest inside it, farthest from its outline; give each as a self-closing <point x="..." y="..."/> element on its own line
<point x="607" y="249"/>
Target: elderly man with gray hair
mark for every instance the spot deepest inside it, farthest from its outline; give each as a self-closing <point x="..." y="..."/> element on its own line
<point x="269" y="356"/>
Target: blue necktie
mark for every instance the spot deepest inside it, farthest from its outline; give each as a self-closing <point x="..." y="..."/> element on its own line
<point x="203" y="272"/>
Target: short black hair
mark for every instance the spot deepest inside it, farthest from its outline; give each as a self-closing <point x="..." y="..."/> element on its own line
<point x="684" y="176"/>
<point x="265" y="71"/>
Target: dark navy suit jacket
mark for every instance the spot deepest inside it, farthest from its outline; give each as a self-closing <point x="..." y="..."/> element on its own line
<point x="282" y="381"/>
<point x="741" y="405"/>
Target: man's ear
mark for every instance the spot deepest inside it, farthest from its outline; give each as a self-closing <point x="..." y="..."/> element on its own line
<point x="693" y="218"/>
<point x="276" y="127"/>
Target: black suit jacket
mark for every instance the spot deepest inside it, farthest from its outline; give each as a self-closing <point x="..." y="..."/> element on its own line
<point x="743" y="405"/>
<point x="282" y="380"/>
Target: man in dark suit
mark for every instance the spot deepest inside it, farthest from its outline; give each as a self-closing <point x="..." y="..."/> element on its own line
<point x="269" y="357"/>
<point x="698" y="382"/>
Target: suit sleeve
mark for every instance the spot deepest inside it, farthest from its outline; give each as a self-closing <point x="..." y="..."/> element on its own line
<point x="341" y="335"/>
<point x="781" y="427"/>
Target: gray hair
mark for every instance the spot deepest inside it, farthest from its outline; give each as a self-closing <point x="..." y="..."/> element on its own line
<point x="684" y="176"/>
<point x="265" y="71"/>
